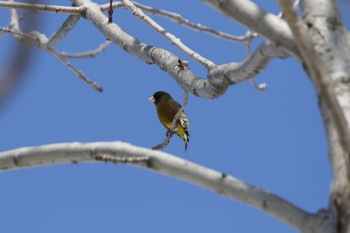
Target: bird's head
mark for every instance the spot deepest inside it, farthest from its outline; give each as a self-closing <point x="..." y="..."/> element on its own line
<point x="159" y="96"/>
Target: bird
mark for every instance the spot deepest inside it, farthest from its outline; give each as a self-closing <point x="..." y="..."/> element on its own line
<point x="167" y="108"/>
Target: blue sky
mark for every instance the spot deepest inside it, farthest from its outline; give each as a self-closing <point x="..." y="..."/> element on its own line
<point x="272" y="139"/>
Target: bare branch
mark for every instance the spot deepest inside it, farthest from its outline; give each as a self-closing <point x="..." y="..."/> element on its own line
<point x="76" y="71"/>
<point x="177" y="18"/>
<point x="62" y="32"/>
<point x="166" y="141"/>
<point x="149" y="54"/>
<point x="254" y="64"/>
<point x="174" y="40"/>
<point x="87" y="54"/>
<point x="41" y="7"/>
<point x="328" y="64"/>
<point x="317" y="73"/>
<point x="259" y="87"/>
<point x="217" y="82"/>
<point x="14" y="22"/>
<point x="40" y="41"/>
<point x="262" y="86"/>
<point x="163" y="163"/>
<point x="18" y="33"/>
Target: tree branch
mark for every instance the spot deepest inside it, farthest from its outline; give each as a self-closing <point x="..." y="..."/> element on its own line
<point x="163" y="163"/>
<point x="91" y="53"/>
<point x="318" y="73"/>
<point x="250" y="67"/>
<point x="40" y="41"/>
<point x="330" y="44"/>
<point x="258" y="20"/>
<point x="41" y="7"/>
<point x="174" y="40"/>
<point x="218" y="77"/>
<point x="62" y="32"/>
<point x="177" y="18"/>
<point x="218" y="80"/>
<point x="77" y="72"/>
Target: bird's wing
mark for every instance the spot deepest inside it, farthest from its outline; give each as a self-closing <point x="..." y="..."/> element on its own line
<point x="184" y="121"/>
<point x="174" y="105"/>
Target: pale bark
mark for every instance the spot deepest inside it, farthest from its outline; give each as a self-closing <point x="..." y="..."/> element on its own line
<point x="325" y="54"/>
<point x="219" y="77"/>
<point x="164" y="163"/>
<point x="331" y="43"/>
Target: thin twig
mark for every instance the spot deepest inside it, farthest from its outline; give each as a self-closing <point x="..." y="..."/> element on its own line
<point x="170" y="132"/>
<point x="41" y="7"/>
<point x="250" y="35"/>
<point x="14" y="21"/>
<point x="87" y="54"/>
<point x="177" y="18"/>
<point x="176" y="41"/>
<point x="18" y="33"/>
<point x="166" y="141"/>
<point x="259" y="87"/>
<point x="42" y="44"/>
<point x="75" y="70"/>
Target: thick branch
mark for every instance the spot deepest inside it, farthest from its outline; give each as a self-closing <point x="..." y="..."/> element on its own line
<point x="149" y="54"/>
<point x="330" y="40"/>
<point x="216" y="84"/>
<point x="253" y="65"/>
<point x="218" y="78"/>
<point x="163" y="163"/>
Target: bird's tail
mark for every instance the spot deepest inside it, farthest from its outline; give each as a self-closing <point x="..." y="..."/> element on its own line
<point x="186" y="139"/>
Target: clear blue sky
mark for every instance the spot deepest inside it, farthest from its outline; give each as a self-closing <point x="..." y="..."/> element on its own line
<point x="272" y="139"/>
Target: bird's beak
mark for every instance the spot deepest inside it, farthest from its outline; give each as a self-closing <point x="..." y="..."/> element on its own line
<point x="152" y="99"/>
